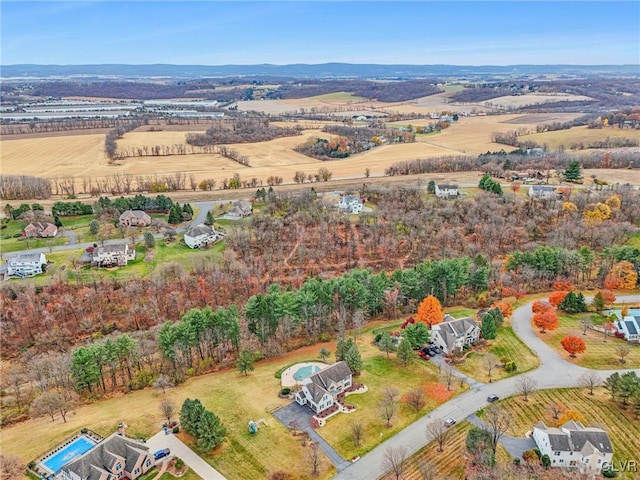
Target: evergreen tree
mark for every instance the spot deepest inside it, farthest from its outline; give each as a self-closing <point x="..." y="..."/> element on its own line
<point x="175" y="214"/>
<point x="186" y="208"/>
<point x="94" y="226"/>
<point x="431" y="187"/>
<point x="573" y="303"/>
<point x="190" y="415"/>
<point x="598" y="302"/>
<point x="488" y="327"/>
<point x="245" y="362"/>
<point x="386" y="343"/>
<point x="57" y="222"/>
<point x="405" y="351"/>
<point x="573" y="171"/>
<point x="417" y="334"/>
<point x="209" y="220"/>
<point x="149" y="240"/>
<point x="343" y="346"/>
<point x="210" y="431"/>
<point x="354" y="360"/>
<point x="324" y="354"/>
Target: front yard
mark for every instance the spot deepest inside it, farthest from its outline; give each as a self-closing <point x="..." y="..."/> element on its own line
<point x="505" y="345"/>
<point x="597" y="410"/>
<point x="599" y="354"/>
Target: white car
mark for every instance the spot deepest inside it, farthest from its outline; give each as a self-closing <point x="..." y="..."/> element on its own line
<point x="449" y="422"/>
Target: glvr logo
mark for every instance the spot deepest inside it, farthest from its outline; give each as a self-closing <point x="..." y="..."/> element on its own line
<point x="622" y="466"/>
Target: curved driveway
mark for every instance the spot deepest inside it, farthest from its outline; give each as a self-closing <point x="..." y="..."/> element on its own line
<point x="554" y="372"/>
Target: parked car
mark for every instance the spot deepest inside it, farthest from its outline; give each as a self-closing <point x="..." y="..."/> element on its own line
<point x="492" y="398"/>
<point x="449" y="422"/>
<point x="161" y="453"/>
<point x="424" y="353"/>
<point x="436" y="349"/>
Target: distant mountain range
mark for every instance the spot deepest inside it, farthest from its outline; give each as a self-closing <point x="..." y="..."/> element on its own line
<point x="324" y="70"/>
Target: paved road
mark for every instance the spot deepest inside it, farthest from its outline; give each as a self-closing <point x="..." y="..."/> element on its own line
<point x="180" y="450"/>
<point x="554" y="372"/>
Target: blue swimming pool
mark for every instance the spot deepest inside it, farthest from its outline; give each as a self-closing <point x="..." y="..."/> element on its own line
<point x="305" y="372"/>
<point x="76" y="448"/>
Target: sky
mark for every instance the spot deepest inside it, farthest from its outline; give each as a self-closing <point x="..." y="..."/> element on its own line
<point x="416" y="32"/>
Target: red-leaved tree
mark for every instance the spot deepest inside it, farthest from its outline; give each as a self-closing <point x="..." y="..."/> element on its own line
<point x="556" y="298"/>
<point x="540" y="306"/>
<point x="546" y="320"/>
<point x="573" y="345"/>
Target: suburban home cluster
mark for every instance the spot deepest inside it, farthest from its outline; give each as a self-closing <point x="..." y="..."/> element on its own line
<point x="574" y="446"/>
<point x="116" y="457"/>
<point x="320" y="391"/>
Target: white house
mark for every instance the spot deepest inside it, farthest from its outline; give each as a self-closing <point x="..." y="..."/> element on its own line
<point x="320" y="391"/>
<point x="454" y="333"/>
<point x="200" y="236"/>
<point x="573" y="445"/>
<point x="446" y="191"/>
<point x="542" y="191"/>
<point x="630" y="327"/>
<point x="26" y="265"/>
<point x="116" y="457"/>
<point x="113" y="255"/>
<point x="350" y="204"/>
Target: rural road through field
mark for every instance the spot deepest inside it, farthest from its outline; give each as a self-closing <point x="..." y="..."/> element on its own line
<point x="554" y="372"/>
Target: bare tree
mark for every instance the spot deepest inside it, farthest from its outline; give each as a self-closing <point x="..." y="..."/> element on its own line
<point x="622" y="351"/>
<point x="438" y="431"/>
<point x="586" y="325"/>
<point x="388" y="405"/>
<point x="447" y="376"/>
<point x="591" y="380"/>
<point x="498" y="421"/>
<point x="416" y="399"/>
<point x="556" y="408"/>
<point x="163" y="383"/>
<point x="167" y="408"/>
<point x="394" y="461"/>
<point x="313" y="458"/>
<point x="427" y="470"/>
<point x="11" y="466"/>
<point x="356" y="433"/>
<point x="490" y="361"/>
<point x="526" y="385"/>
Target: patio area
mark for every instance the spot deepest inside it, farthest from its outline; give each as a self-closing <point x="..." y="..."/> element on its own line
<point x="295" y="374"/>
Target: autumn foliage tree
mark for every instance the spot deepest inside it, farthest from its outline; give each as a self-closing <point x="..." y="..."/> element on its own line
<point x="622" y="276"/>
<point x="540" y="306"/>
<point x="430" y="311"/>
<point x="573" y="345"/>
<point x="546" y="320"/>
<point x="556" y="298"/>
<point x="505" y="308"/>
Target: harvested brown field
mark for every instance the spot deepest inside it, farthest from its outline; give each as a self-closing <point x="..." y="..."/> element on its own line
<point x="581" y="135"/>
<point x="544" y="118"/>
<point x="518" y="101"/>
<point x="83" y="155"/>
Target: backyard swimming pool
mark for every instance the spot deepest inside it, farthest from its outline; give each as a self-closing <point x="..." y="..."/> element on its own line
<point x="632" y="312"/>
<point x="76" y="448"/>
<point x="305" y="372"/>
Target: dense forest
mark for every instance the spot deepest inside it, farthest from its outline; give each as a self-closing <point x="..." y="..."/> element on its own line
<point x="298" y="272"/>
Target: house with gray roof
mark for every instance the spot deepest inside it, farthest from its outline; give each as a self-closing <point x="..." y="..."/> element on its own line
<point x="455" y="333"/>
<point x="629" y="326"/>
<point x="320" y="391"/>
<point x="446" y="191"/>
<point x="574" y="446"/>
<point x="113" y="255"/>
<point x="542" y="192"/>
<point x="26" y="265"/>
<point x="116" y="457"/>
<point x="241" y="209"/>
<point x="200" y="236"/>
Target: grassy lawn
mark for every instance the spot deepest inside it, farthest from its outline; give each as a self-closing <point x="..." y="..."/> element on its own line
<point x="600" y="354"/>
<point x="450" y="463"/>
<point x="380" y="371"/>
<point x="188" y="475"/>
<point x="16" y="244"/>
<point x="506" y="344"/>
<point x="598" y="410"/>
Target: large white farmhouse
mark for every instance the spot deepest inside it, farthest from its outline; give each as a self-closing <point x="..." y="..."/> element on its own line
<point x="199" y="236"/>
<point x="320" y="391"/>
<point x="454" y="333"/>
<point x="26" y="265"/>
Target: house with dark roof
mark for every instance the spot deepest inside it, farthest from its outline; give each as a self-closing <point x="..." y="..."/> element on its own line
<point x="241" y="209"/>
<point x="320" y="391"/>
<point x="134" y="218"/>
<point x="629" y="326"/>
<point x="26" y="265"/>
<point x="116" y="457"/>
<point x="574" y="446"/>
<point x="199" y="236"/>
<point x="40" y="230"/>
<point x="455" y="333"/>
<point x="446" y="191"/>
<point x="113" y="255"/>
